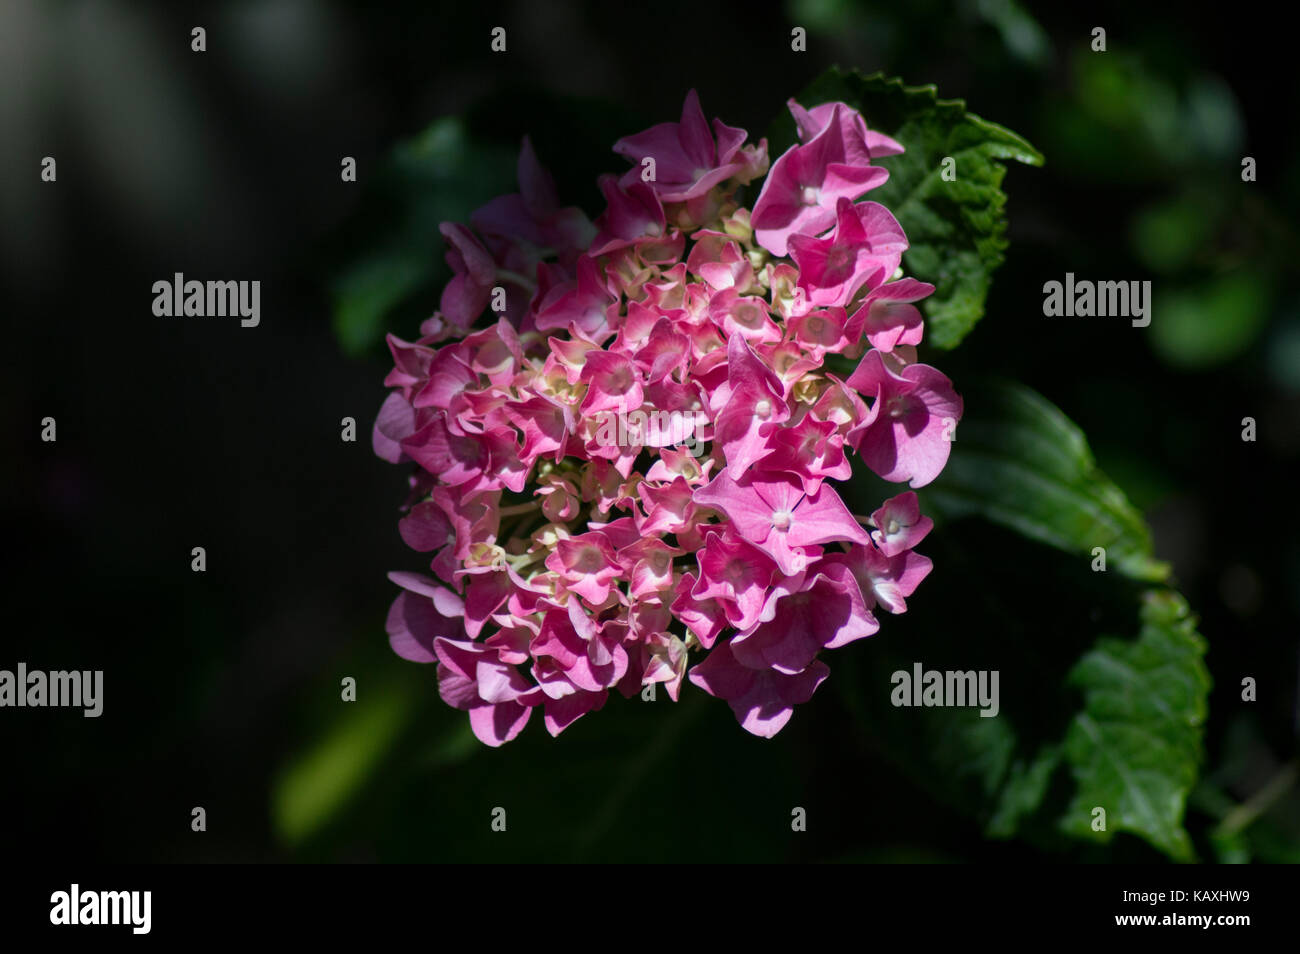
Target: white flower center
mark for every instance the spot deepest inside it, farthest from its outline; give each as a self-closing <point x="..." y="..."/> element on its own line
<point x="899" y="406"/>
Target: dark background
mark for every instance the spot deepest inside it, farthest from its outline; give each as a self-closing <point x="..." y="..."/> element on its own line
<point x="222" y="688"/>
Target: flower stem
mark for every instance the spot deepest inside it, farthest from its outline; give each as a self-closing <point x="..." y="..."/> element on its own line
<point x="1245" y="814"/>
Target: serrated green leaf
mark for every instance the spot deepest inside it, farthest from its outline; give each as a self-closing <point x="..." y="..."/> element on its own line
<point x="956" y="228"/>
<point x="1018" y="461"/>
<point x="1135" y="748"/>
<point x="1087" y="720"/>
<point x="1118" y="726"/>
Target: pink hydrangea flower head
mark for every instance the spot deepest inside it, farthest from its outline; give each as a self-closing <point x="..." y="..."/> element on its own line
<point x="630" y="473"/>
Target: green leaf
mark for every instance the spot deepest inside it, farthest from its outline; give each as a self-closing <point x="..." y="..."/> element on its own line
<point x="320" y="782"/>
<point x="1021" y="34"/>
<point x="1212" y="321"/>
<point x="1085" y="720"/>
<point x="1103" y="686"/>
<point x="369" y="290"/>
<point x="1135" y="748"/>
<point x="1018" y="461"/>
<point x="1022" y="791"/>
<point x="1166" y="236"/>
<point x="1265" y="826"/>
<point x="956" y="228"/>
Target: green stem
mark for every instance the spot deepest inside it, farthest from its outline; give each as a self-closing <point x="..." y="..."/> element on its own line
<point x="1245" y="814"/>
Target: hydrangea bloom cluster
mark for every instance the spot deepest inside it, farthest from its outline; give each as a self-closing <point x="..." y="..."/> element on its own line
<point x="626" y="433"/>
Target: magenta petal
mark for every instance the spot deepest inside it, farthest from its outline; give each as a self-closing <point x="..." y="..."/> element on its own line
<point x="562" y="713"/>
<point x="426" y="528"/>
<point x="412" y="625"/>
<point x="396" y="421"/>
<point x="456" y="689"/>
<point x="762" y="700"/>
<point x="497" y="724"/>
<point x="822" y="518"/>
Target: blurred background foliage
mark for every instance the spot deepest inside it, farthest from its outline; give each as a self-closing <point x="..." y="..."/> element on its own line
<point x="224" y="690"/>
